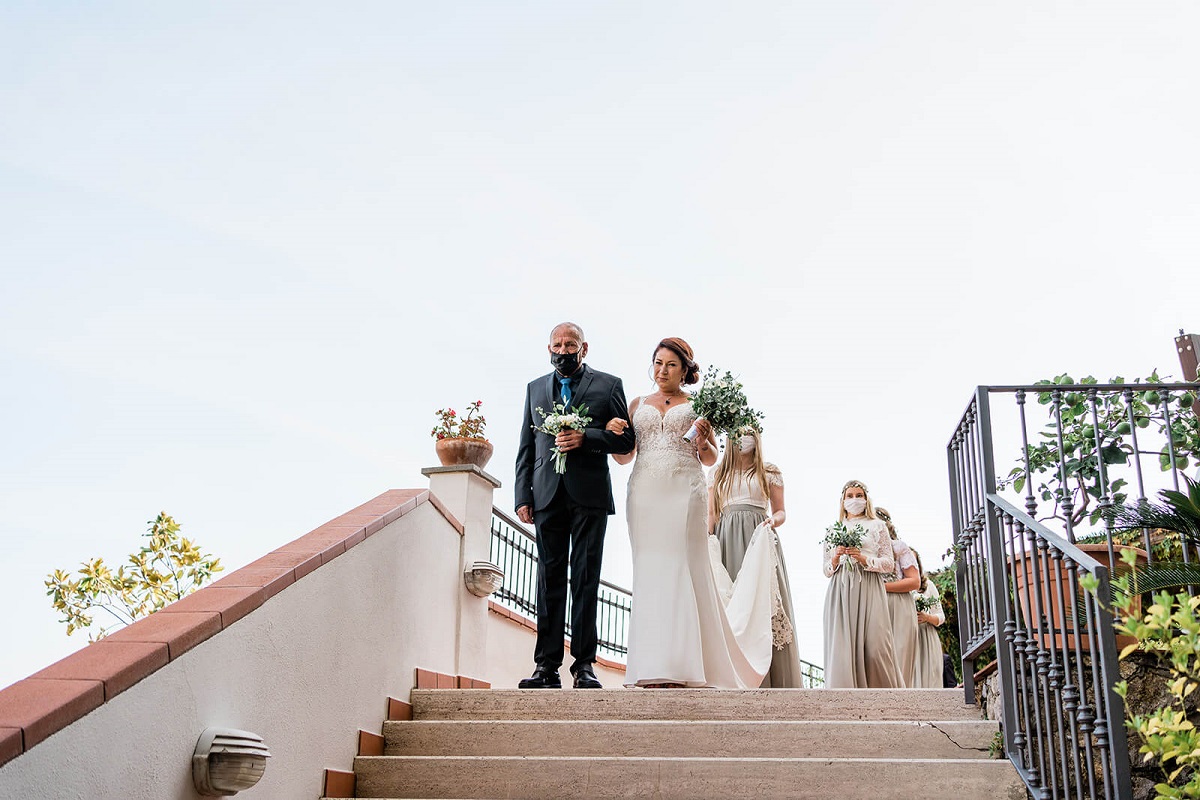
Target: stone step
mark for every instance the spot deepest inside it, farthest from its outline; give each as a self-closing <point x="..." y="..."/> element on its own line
<point x="695" y="704"/>
<point x="667" y="778"/>
<point x="955" y="739"/>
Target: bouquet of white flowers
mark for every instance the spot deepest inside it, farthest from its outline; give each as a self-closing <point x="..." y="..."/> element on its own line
<point x="721" y="401"/>
<point x="838" y="535"/>
<point x="925" y="604"/>
<point x="558" y="420"/>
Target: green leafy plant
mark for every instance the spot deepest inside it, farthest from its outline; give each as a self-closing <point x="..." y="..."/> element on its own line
<point x="996" y="747"/>
<point x="1079" y="458"/>
<point x="1169" y="630"/>
<point x="452" y="426"/>
<point x="165" y="569"/>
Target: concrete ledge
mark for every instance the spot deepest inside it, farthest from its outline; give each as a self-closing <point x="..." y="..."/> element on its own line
<point x="696" y="704"/>
<point x="679" y="739"/>
<point x="685" y="778"/>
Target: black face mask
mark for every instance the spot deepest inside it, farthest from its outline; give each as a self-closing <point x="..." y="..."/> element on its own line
<point x="565" y="363"/>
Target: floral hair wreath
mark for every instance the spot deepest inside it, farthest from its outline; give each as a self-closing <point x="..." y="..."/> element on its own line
<point x="855" y="484"/>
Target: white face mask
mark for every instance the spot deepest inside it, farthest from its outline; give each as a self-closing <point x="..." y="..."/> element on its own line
<point x="747" y="444"/>
<point x="855" y="505"/>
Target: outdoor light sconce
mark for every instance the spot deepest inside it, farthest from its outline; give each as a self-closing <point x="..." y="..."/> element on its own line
<point x="227" y="761"/>
<point x="483" y="578"/>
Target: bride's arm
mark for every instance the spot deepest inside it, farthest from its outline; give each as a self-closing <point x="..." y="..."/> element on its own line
<point x="618" y="426"/>
<point x="706" y="443"/>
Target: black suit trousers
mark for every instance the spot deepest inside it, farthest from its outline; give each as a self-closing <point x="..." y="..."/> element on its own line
<point x="568" y="535"/>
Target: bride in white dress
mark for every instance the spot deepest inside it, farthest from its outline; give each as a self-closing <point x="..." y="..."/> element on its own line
<point x="682" y="632"/>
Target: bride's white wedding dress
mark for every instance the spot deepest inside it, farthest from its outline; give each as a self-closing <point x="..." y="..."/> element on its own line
<point x="682" y="630"/>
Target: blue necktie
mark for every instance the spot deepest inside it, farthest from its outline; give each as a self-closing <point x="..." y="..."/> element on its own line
<point x="566" y="392"/>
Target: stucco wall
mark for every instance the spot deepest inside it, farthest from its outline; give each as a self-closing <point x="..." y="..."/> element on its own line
<point x="305" y="670"/>
<point x="510" y="656"/>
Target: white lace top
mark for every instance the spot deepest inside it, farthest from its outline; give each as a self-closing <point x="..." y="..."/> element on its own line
<point x="931" y="592"/>
<point x="904" y="558"/>
<point x="876" y="548"/>
<point x="661" y="449"/>
<point x="743" y="491"/>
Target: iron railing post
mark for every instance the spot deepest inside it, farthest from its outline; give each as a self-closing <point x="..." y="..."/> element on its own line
<point x="960" y="570"/>
<point x="997" y="571"/>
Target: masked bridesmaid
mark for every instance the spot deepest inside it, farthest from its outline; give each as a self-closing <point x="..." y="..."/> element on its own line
<point x="859" y="653"/>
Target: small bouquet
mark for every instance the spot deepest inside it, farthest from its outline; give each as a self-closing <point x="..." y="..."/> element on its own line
<point x="721" y="401"/>
<point x="925" y="604"/>
<point x="838" y="535"/>
<point x="558" y="420"/>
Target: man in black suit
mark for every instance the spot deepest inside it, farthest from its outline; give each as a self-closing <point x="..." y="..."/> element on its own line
<point x="570" y="511"/>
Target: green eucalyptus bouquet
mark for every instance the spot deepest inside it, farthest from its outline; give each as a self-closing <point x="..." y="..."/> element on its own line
<point x="721" y="400"/>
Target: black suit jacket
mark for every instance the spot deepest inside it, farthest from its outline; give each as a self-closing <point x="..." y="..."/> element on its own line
<point x="587" y="478"/>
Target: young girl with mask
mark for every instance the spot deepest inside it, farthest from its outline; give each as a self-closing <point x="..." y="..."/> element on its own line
<point x="901" y="603"/>
<point x="744" y="493"/>
<point x="929" y="662"/>
<point x="859" y="653"/>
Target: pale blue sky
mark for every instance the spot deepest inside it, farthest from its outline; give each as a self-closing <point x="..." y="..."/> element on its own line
<point x="248" y="249"/>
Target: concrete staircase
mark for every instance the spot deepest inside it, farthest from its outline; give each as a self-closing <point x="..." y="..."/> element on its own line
<point x="688" y="743"/>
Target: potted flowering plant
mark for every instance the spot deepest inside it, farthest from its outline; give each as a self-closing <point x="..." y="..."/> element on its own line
<point x="460" y="440"/>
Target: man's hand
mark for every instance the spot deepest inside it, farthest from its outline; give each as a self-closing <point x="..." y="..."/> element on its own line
<point x="569" y="440"/>
<point x="525" y="514"/>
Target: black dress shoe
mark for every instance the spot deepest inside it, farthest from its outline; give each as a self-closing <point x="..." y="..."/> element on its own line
<point x="541" y="679"/>
<point x="586" y="679"/>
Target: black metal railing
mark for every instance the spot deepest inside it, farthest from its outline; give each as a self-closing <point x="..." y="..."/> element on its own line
<point x="1019" y="576"/>
<point x="514" y="550"/>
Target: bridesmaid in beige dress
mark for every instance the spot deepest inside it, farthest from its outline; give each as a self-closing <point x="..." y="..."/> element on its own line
<point x="901" y="604"/>
<point x="745" y="491"/>
<point x="929" y="644"/>
<point x="858" y="632"/>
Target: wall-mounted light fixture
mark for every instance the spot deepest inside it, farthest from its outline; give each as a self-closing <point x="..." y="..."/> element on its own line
<point x="483" y="578"/>
<point x="226" y="761"/>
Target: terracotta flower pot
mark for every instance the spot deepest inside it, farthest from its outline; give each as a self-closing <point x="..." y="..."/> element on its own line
<point x="1029" y="599"/>
<point x="452" y="452"/>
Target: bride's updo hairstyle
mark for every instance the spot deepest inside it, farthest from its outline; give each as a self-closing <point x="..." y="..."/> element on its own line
<point x="691" y="370"/>
<point x="870" y="512"/>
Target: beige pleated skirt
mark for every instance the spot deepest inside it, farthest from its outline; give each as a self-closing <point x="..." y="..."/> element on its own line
<point x="929" y="658"/>
<point x="859" y="653"/>
<point x="903" y="608"/>
<point x="734" y="530"/>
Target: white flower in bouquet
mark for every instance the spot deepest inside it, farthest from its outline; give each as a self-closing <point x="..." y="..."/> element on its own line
<point x="558" y="420"/>
<point x="839" y="535"/>
<point x="722" y="401"/>
<point x="925" y="604"/>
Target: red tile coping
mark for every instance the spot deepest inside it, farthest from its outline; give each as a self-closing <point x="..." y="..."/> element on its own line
<point x="48" y="701"/>
<point x="525" y="621"/>
<point x="399" y="710"/>
<point x="10" y="744"/>
<point x="338" y="783"/>
<point x="428" y="679"/>
<point x="369" y="744"/>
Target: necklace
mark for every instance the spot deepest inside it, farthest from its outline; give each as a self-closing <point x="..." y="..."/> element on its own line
<point x="667" y="400"/>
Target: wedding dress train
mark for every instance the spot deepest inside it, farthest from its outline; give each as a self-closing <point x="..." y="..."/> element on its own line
<point x="682" y="630"/>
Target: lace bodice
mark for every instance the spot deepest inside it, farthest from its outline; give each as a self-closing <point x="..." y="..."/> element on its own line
<point x="661" y="449"/>
<point x="876" y="547"/>
<point x="904" y="558"/>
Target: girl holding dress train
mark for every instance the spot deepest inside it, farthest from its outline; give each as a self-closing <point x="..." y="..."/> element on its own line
<point x="929" y="663"/>
<point x="744" y="493"/>
<point x="901" y="603"/>
<point x="858" y="631"/>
